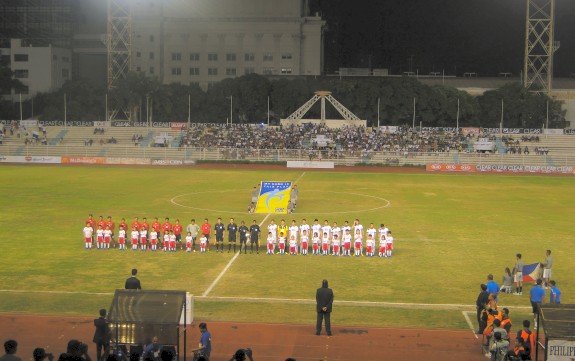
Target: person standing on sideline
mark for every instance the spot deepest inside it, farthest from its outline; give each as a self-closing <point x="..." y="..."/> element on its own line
<point x="536" y="295"/>
<point x="101" y="336"/>
<point x="244" y="234"/>
<point x="492" y="286"/>
<point x="324" y="303"/>
<point x="481" y="304"/>
<point x="254" y="237"/>
<point x="547" y="264"/>
<point x="193" y="229"/>
<point x="206" y="231"/>
<point x="518" y="274"/>
<point x="10" y="347"/>
<point x="133" y="283"/>
<point x="555" y="293"/>
<point x="205" y="346"/>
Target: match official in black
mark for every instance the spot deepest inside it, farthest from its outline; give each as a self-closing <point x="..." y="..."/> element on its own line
<point x="324" y="302"/>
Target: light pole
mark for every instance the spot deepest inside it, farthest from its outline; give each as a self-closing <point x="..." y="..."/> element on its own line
<point x="231" y="109"/>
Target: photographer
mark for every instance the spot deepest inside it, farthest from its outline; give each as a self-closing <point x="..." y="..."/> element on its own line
<point x="499" y="348"/>
<point x="243" y="354"/>
<point x="40" y="354"/>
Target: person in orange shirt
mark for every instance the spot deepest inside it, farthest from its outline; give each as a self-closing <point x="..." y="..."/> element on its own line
<point x="136" y="224"/>
<point x="177" y="228"/>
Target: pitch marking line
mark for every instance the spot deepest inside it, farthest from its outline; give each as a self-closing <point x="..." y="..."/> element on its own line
<point x="469" y="323"/>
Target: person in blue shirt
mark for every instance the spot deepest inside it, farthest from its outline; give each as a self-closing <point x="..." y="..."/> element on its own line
<point x="536" y="294"/>
<point x="555" y="293"/>
<point x="492" y="287"/>
<point x="152" y="350"/>
<point x="205" y="346"/>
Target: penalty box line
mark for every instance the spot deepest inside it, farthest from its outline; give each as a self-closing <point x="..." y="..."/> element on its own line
<point x="217" y="280"/>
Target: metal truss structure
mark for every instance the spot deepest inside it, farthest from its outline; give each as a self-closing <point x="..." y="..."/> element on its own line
<point x="322" y="96"/>
<point x="119" y="45"/>
<point x="539" y="46"/>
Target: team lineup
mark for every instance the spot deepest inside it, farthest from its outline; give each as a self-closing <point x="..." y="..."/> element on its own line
<point x="322" y="239"/>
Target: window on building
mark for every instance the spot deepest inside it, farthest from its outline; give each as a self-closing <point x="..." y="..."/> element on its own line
<point x="54" y="57"/>
<point x="65" y="73"/>
<point x="212" y="71"/>
<point x="138" y="54"/>
<point x="286" y="56"/>
<point x="21" y="73"/>
<point x="249" y="70"/>
<point x="195" y="57"/>
<point x="249" y="57"/>
<point x="176" y="71"/>
<point x="230" y="57"/>
<point x="212" y="57"/>
<point x="195" y="83"/>
<point x="138" y="69"/>
<point x="5" y="59"/>
<point x="65" y="59"/>
<point x="231" y="71"/>
<point x="176" y="56"/>
<point x="287" y="70"/>
<point x="25" y="89"/>
<point x="268" y="71"/>
<point x="151" y="55"/>
<point x="20" y="57"/>
<point x="268" y="57"/>
<point x="152" y="70"/>
<point x="194" y="71"/>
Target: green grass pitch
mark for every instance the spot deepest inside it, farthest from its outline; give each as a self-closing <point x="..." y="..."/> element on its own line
<point x="450" y="232"/>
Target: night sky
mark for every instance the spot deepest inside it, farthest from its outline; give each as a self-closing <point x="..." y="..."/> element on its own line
<point x="483" y="36"/>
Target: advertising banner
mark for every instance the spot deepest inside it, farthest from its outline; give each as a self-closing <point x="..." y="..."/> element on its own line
<point x="511" y="168"/>
<point x="274" y="197"/>
<point x="439" y="167"/>
<point x="30" y="159"/>
<point x="82" y="160"/>
<point x="127" y="161"/>
<point x="172" y="162"/>
<point x="560" y="350"/>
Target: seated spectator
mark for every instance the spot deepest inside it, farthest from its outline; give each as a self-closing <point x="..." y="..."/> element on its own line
<point x="243" y="354"/>
<point x="10" y="347"/>
<point x="40" y="354"/>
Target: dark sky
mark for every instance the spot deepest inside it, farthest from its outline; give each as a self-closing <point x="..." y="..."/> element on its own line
<point x="483" y="36"/>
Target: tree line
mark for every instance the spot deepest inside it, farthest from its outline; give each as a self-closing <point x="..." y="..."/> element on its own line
<point x="435" y="105"/>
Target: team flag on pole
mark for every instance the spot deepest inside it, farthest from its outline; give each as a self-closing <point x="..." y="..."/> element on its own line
<point x="274" y="197"/>
<point x="531" y="272"/>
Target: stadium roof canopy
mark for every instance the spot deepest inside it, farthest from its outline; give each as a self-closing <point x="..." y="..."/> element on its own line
<point x="147" y="307"/>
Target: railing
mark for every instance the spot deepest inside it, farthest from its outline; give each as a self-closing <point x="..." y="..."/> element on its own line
<point x="349" y="158"/>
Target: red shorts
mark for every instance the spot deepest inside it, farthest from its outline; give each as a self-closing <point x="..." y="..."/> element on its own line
<point x="389" y="246"/>
<point x="335" y="248"/>
<point x="106" y="239"/>
<point x="88" y="240"/>
<point x="121" y="240"/>
<point x="382" y="249"/>
<point x="292" y="249"/>
<point x="134" y="241"/>
<point x="304" y="245"/>
<point x="347" y="246"/>
<point x="202" y="245"/>
<point x="153" y="241"/>
<point x="189" y="244"/>
<point x="270" y="246"/>
<point x="172" y="244"/>
<point x="143" y="240"/>
<point x="369" y="249"/>
<point x="315" y="246"/>
<point x="282" y="246"/>
<point x="357" y="245"/>
<point x="100" y="239"/>
<point x="325" y="246"/>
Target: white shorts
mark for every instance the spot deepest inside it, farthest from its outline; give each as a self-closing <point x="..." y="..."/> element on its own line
<point x="519" y="277"/>
<point x="546" y="272"/>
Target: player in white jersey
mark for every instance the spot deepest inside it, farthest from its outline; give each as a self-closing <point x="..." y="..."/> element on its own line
<point x="203" y="243"/>
<point x="357" y="226"/>
<point x="325" y="244"/>
<point x="122" y="238"/>
<point x="304" y="243"/>
<point x="107" y="238"/>
<point x="99" y="237"/>
<point x="293" y="245"/>
<point x="345" y="227"/>
<point x="282" y="243"/>
<point x="134" y="236"/>
<point x="172" y="241"/>
<point x="304" y="227"/>
<point x="189" y="240"/>
<point x="166" y="241"/>
<point x="371" y="231"/>
<point x="293" y="230"/>
<point x="335" y="244"/>
<point x="370" y="245"/>
<point x="88" y="232"/>
<point x="347" y="243"/>
<point x="357" y="242"/>
<point x="383" y="230"/>
<point x="326" y="228"/>
<point x="153" y="240"/>
<point x="143" y="239"/>
<point x="381" y="245"/>
<point x="389" y="244"/>
<point x="273" y="229"/>
<point x="315" y="243"/>
<point x="316" y="227"/>
<point x="335" y="230"/>
<point x="271" y="244"/>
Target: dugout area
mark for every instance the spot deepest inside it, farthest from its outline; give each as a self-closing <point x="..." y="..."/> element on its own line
<point x="558" y="321"/>
<point x="136" y="316"/>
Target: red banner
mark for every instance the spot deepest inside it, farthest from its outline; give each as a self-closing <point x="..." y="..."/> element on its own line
<point x="442" y="167"/>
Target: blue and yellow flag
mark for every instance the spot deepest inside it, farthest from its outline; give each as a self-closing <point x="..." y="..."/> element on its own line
<point x="274" y="197"/>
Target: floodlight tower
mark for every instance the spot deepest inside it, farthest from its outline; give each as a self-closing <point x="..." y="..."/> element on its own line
<point x="539" y="46"/>
<point x="119" y="44"/>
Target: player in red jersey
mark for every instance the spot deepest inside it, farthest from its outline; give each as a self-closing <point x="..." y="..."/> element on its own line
<point x="166" y="226"/>
<point x="156" y="226"/>
<point x="123" y="224"/>
<point x="177" y="228"/>
<point x="136" y="224"/>
<point x="144" y="224"/>
<point x="101" y="222"/>
<point x="92" y="223"/>
<point x="206" y="230"/>
<point x="110" y="224"/>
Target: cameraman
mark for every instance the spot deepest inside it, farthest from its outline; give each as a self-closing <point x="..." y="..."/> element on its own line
<point x="243" y="354"/>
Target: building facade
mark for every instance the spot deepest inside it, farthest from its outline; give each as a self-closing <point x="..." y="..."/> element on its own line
<point x="40" y="69"/>
<point x="205" y="41"/>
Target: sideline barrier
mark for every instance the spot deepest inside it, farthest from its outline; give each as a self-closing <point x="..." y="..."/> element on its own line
<point x="498" y="168"/>
<point x="30" y="159"/>
<point x="465" y="168"/>
<point x="310" y="164"/>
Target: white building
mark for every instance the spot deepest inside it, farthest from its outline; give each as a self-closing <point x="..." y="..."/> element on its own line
<point x="40" y="69"/>
<point x="206" y="41"/>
